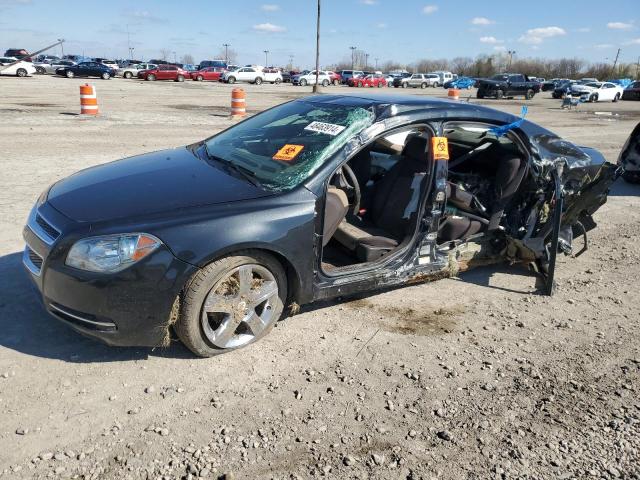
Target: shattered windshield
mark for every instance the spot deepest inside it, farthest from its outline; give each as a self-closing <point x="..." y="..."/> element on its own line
<point x="284" y="146"/>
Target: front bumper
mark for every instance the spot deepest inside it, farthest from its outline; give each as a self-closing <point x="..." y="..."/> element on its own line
<point x="127" y="308"/>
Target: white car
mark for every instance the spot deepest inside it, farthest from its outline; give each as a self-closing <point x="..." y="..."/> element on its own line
<point x="272" y="75"/>
<point x="111" y="64"/>
<point x="244" y="74"/>
<point x="132" y="70"/>
<point x="310" y="79"/>
<point x="11" y="66"/>
<point x="598" y="91"/>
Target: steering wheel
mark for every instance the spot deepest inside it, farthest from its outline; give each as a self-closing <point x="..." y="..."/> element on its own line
<point x="353" y="183"/>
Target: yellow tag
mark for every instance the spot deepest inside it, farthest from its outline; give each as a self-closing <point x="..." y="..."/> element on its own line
<point x="440" y="148"/>
<point x="288" y="152"/>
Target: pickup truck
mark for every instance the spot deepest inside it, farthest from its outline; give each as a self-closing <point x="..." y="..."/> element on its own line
<point x="508" y="85"/>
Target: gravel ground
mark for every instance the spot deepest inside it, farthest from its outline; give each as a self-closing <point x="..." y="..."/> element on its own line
<point x="468" y="378"/>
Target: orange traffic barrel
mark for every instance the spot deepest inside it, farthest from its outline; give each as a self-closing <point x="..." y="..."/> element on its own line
<point x="454" y="94"/>
<point x="88" y="100"/>
<point x="238" y="103"/>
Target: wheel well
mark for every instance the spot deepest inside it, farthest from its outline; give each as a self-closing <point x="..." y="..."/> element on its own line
<point x="294" y="284"/>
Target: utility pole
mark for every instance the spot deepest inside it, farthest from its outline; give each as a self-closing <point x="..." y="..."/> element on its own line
<point x="290" y="62"/>
<point x="353" y="57"/>
<point x="226" y="52"/>
<point x="366" y="61"/>
<point x="315" y="86"/>
<point x="131" y="49"/>
<point x="129" y="43"/>
<point x="511" y="54"/>
<point x="376" y="63"/>
<point x="638" y="69"/>
<point x="61" y="46"/>
<point x="615" y="63"/>
<point x="266" y="58"/>
<point x="174" y="58"/>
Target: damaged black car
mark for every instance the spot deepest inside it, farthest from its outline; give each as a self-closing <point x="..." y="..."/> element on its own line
<point x="316" y="198"/>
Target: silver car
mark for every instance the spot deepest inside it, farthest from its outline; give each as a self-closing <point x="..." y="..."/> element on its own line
<point x="421" y="80"/>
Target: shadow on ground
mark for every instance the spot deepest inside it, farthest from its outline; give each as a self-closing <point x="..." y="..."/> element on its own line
<point x="27" y="328"/>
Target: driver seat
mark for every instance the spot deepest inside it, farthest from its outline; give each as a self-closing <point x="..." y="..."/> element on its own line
<point x="393" y="208"/>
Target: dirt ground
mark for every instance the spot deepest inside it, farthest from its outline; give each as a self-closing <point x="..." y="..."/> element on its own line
<point x="468" y="378"/>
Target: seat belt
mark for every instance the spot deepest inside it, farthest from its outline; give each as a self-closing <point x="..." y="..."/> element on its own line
<point x="468" y="155"/>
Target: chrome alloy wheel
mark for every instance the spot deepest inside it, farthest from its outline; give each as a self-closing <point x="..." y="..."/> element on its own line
<point x="239" y="307"/>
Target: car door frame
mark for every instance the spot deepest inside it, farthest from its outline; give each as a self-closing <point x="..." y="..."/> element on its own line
<point x="413" y="262"/>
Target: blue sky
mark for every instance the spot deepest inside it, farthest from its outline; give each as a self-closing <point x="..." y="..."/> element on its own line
<point x="402" y="30"/>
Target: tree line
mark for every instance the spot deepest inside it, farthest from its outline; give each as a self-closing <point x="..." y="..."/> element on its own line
<point x="488" y="65"/>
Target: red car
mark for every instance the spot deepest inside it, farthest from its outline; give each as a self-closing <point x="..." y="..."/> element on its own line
<point x="376" y="80"/>
<point x="209" y="73"/>
<point x="166" y="72"/>
<point x="336" y="78"/>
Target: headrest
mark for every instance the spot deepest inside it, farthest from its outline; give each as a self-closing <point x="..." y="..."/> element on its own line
<point x="415" y="148"/>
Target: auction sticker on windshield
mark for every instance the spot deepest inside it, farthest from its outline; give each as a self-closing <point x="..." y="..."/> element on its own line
<point x="288" y="152"/>
<point x="328" y="128"/>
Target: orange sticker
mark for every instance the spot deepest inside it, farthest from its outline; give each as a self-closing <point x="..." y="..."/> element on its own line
<point x="440" y="148"/>
<point x="288" y="152"/>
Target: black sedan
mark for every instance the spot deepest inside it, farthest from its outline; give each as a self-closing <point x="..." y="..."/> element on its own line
<point x="632" y="92"/>
<point x="87" y="69"/>
<point x="320" y="197"/>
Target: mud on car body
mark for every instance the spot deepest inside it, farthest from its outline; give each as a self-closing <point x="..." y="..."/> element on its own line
<point x="316" y="198"/>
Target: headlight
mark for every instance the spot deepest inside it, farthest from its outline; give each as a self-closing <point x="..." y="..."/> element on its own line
<point x="111" y="253"/>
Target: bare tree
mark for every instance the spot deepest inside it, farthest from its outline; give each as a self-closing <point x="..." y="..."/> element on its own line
<point x="232" y="55"/>
<point x="164" y="54"/>
<point x="462" y="65"/>
<point x="187" y="58"/>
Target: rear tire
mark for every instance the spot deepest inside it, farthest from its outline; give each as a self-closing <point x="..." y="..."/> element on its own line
<point x="499" y="95"/>
<point x="616" y="98"/>
<point x="303" y="83"/>
<point x="105" y="76"/>
<point x="593" y="98"/>
<point x="336" y="83"/>
<point x="69" y="74"/>
<point x="151" y="77"/>
<point x="221" y="284"/>
<point x="199" y="78"/>
<point x="127" y="75"/>
<point x="405" y="85"/>
<point x="179" y="78"/>
<point x="530" y="94"/>
<point x="21" y="72"/>
<point x="258" y="81"/>
<point x="278" y="81"/>
<point x="436" y="85"/>
<point x="40" y="70"/>
<point x="480" y="95"/>
<point x="423" y="86"/>
<point x="325" y="83"/>
<point x="231" y="80"/>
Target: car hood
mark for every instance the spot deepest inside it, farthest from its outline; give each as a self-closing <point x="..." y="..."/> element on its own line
<point x="148" y="184"/>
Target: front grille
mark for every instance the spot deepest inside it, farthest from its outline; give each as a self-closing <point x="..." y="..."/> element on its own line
<point x="32" y="261"/>
<point x="48" y="229"/>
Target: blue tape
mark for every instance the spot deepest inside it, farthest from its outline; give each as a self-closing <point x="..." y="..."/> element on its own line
<point x="501" y="131"/>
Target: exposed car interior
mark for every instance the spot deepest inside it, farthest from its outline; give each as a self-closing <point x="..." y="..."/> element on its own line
<point x="486" y="176"/>
<point x="372" y="201"/>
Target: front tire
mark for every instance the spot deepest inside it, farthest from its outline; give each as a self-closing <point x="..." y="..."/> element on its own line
<point x="336" y="83"/>
<point x="423" y="86"/>
<point x="231" y="303"/>
<point x="180" y="78"/>
<point x="231" y="80"/>
<point x="303" y="83"/>
<point x="127" y="75"/>
<point x="151" y="77"/>
<point x="529" y="95"/>
<point x="258" y="81"/>
<point x="40" y="70"/>
<point x="199" y="78"/>
<point x="325" y="83"/>
<point x="21" y="72"/>
<point x="69" y="74"/>
<point x="499" y="95"/>
<point x="593" y="98"/>
<point x="105" y="76"/>
<point x="616" y="98"/>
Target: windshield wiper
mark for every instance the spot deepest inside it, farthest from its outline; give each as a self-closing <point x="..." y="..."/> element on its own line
<point x="242" y="171"/>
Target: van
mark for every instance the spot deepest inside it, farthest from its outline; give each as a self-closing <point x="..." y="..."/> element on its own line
<point x="444" y="76"/>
